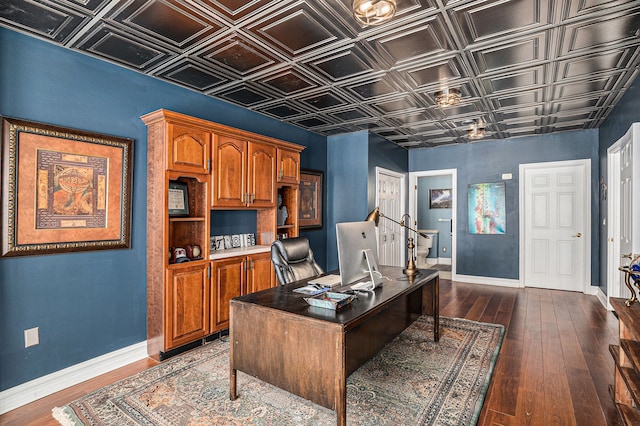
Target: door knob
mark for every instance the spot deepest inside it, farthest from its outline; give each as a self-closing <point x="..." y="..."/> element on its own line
<point x="578" y="235"/>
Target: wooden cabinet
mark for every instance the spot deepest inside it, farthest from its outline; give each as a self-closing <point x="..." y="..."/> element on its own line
<point x="178" y="150"/>
<point x="187" y="310"/>
<point x="244" y="173"/>
<point x="188" y="149"/>
<point x="626" y="357"/>
<point x="234" y="277"/>
<point x="288" y="166"/>
<point x="220" y="168"/>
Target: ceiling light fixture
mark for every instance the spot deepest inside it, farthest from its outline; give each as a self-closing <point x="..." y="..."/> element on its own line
<point x="476" y="129"/>
<point x="373" y="12"/>
<point x="447" y="97"/>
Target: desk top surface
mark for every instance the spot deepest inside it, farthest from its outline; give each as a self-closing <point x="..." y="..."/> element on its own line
<point x="283" y="298"/>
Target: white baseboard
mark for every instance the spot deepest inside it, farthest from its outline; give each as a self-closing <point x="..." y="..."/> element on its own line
<point x="501" y="282"/>
<point x="444" y="260"/>
<point x="603" y="299"/>
<point x="28" y="392"/>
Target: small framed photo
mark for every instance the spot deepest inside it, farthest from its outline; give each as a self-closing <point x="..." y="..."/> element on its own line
<point x="440" y="198"/>
<point x="178" y="199"/>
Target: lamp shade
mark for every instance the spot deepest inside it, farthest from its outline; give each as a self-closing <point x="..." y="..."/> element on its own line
<point x="374" y="216"/>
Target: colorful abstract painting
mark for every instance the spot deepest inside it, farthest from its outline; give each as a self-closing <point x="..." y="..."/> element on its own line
<point x="487" y="213"/>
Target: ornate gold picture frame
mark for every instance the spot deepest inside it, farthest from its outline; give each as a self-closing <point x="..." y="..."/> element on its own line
<point x="63" y="190"/>
<point x="310" y="212"/>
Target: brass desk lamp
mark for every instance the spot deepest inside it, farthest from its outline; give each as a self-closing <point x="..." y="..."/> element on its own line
<point x="375" y="215"/>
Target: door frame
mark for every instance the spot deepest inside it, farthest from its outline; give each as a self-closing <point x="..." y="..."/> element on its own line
<point x="413" y="204"/>
<point x="403" y="205"/>
<point x="613" y="222"/>
<point x="586" y="209"/>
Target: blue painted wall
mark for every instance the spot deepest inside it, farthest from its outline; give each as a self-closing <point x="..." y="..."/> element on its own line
<point x="346" y="185"/>
<point x="623" y="115"/>
<point x="497" y="255"/>
<point x="88" y="304"/>
<point x="429" y="218"/>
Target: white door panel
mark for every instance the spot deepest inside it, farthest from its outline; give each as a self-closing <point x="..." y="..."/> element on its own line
<point x="554" y="226"/>
<point x="390" y="200"/>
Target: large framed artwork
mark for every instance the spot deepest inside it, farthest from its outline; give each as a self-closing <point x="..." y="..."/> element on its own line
<point x="310" y="212"/>
<point x="63" y="190"/>
<point x="487" y="212"/>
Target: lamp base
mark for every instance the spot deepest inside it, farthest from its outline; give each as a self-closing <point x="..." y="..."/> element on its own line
<point x="411" y="269"/>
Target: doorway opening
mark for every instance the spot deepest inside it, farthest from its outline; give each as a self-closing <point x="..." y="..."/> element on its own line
<point x="432" y="204"/>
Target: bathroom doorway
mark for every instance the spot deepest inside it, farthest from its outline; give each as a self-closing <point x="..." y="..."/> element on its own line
<point x="432" y="204"/>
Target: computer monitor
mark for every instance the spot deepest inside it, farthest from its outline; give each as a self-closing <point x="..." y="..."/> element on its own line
<point x="353" y="239"/>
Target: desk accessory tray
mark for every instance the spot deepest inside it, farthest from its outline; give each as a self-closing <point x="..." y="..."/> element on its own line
<point x="330" y="300"/>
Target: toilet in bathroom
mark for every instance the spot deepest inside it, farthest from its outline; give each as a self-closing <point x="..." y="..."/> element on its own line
<point x="422" y="248"/>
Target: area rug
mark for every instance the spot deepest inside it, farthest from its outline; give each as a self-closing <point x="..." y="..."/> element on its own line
<point x="412" y="381"/>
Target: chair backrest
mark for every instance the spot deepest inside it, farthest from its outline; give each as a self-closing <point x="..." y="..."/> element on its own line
<point x="293" y="260"/>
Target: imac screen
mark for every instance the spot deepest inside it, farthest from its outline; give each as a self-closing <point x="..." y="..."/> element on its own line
<point x="353" y="239"/>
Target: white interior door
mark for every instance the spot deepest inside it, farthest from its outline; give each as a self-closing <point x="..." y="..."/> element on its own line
<point x="556" y="225"/>
<point x="390" y="200"/>
<point x="623" y="160"/>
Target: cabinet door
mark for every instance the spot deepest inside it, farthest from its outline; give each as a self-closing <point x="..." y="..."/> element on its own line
<point x="228" y="281"/>
<point x="229" y="172"/>
<point x="187" y="309"/>
<point x="188" y="149"/>
<point x="262" y="175"/>
<point x="260" y="273"/>
<point x="288" y="166"/>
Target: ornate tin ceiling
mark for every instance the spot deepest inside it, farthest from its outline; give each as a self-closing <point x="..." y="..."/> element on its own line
<point x="524" y="66"/>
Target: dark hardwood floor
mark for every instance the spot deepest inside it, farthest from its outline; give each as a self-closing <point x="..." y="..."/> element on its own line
<point x="554" y="367"/>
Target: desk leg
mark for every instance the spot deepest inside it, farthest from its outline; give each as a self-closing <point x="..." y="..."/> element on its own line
<point x="233" y="381"/>
<point x="436" y="309"/>
<point x="341" y="403"/>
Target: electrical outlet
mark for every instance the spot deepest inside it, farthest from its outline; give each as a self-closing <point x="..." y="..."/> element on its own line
<point x="444" y="249"/>
<point x="32" y="337"/>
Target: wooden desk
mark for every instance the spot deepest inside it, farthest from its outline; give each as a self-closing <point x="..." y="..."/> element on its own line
<point x="278" y="338"/>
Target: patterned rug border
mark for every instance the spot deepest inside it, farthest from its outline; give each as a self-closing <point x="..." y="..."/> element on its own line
<point x="66" y="415"/>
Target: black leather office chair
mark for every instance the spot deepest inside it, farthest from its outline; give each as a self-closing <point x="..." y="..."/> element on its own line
<point x="293" y="260"/>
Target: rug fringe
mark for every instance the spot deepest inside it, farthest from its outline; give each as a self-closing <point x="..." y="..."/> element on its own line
<point x="65" y="416"/>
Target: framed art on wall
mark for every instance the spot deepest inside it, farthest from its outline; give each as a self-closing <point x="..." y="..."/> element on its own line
<point x="440" y="198"/>
<point x="310" y="212"/>
<point x="63" y="190"/>
<point x="487" y="212"/>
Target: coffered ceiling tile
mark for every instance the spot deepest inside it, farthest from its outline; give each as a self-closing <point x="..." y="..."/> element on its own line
<point x="123" y="47"/>
<point x="237" y="53"/>
<point x="585" y="87"/>
<point x="168" y="20"/>
<point x="323" y="101"/>
<point x="590" y="65"/>
<point x="511" y="81"/>
<point x="350" y="114"/>
<point x="383" y="86"/>
<point x="244" y="94"/>
<point x="620" y="29"/>
<point x="311" y="122"/>
<point x="51" y="21"/>
<point x="396" y="105"/>
<point x="344" y="64"/>
<point x="577" y="8"/>
<point x="444" y="72"/>
<point x="240" y="10"/>
<point x="576" y="104"/>
<point x="193" y="75"/>
<point x="516" y="53"/>
<point x="527" y="113"/>
<point x="289" y="81"/>
<point x="283" y="110"/>
<point x="297" y="29"/>
<point x="412" y="42"/>
<point x="519" y="98"/>
<point x="481" y="20"/>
